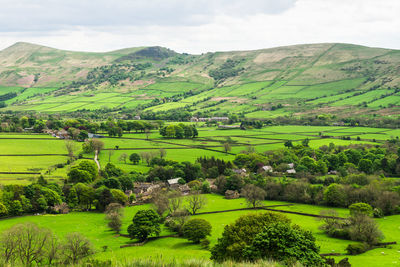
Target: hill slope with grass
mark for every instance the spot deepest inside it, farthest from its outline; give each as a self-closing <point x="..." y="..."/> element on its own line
<point x="329" y="78"/>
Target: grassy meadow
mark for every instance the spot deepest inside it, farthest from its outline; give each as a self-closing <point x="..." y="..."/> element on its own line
<point x="93" y="225"/>
<point x="35" y="153"/>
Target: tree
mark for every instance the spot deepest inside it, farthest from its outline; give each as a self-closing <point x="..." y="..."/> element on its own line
<point x="134" y="158"/>
<point x="71" y="147"/>
<point x="177" y="220"/>
<point x="160" y="201"/>
<point x="305" y="142"/>
<point x="163" y="153"/>
<point x="388" y="202"/>
<point x="361" y="208"/>
<point x="240" y="234"/>
<point x="364" y="228"/>
<point x="227" y="147"/>
<point x="285" y="243"/>
<point x="76" y="175"/>
<point x="175" y="201"/>
<point x="27" y="242"/>
<point x="288" y="144"/>
<point x="90" y="167"/>
<point x="365" y="165"/>
<point x="254" y="195"/>
<point x="144" y="223"/>
<point x="110" y="153"/>
<point x="85" y="195"/>
<point x="119" y="196"/>
<point x="114" y="214"/>
<point x="97" y="144"/>
<point x="3" y="210"/>
<point x="76" y="247"/>
<point x="148" y="133"/>
<point x="196" y="202"/>
<point x="123" y="157"/>
<point x="196" y="229"/>
<point x="334" y="195"/>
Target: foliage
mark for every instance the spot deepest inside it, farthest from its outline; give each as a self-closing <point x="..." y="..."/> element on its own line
<point x="144" y="224"/>
<point x="240" y="234"/>
<point x="76" y="247"/>
<point x="285" y="243"/>
<point x="196" y="230"/>
<point x="195" y="202"/>
<point x="253" y="195"/>
<point x="361" y="208"/>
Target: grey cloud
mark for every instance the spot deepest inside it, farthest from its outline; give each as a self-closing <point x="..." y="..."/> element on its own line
<point x="45" y="15"/>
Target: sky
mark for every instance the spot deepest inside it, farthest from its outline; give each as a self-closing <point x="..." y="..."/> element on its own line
<point x="198" y="26"/>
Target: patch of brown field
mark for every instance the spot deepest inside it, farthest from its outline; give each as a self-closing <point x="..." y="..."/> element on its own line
<point x="81" y="74"/>
<point x="230" y="99"/>
<point x="388" y="111"/>
<point x="322" y="110"/>
<point x="143" y="82"/>
<point x="26" y="80"/>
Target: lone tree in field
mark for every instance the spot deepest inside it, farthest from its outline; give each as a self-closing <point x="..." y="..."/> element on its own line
<point x="110" y="153"/>
<point x="196" y="202"/>
<point x="71" y="147"/>
<point x="163" y="153"/>
<point x="144" y="224"/>
<point x="196" y="230"/>
<point x="253" y="195"/>
<point x="97" y="144"/>
<point x="134" y="158"/>
<point x="227" y="147"/>
<point x="123" y="157"/>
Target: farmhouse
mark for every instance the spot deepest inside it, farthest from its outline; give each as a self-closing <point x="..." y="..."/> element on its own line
<point x="91" y="135"/>
<point x="230" y="194"/>
<point x="267" y="168"/>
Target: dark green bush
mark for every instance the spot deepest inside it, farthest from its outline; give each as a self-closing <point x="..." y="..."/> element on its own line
<point x="355" y="249"/>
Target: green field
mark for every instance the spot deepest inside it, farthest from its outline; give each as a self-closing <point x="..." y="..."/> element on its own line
<point x="94" y="227"/>
<point x="44" y="151"/>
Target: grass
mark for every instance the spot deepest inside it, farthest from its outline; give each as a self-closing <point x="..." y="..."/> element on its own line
<point x="93" y="226"/>
<point x="209" y="143"/>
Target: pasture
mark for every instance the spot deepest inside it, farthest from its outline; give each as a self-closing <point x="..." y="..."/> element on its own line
<point x="93" y="225"/>
<point x="35" y="153"/>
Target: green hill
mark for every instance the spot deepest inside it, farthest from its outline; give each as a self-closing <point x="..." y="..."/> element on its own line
<point x="328" y="78"/>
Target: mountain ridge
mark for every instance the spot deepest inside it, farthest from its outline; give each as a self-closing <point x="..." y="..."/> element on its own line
<point x="322" y="75"/>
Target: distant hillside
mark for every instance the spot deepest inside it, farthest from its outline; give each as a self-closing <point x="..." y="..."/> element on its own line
<point x="292" y="80"/>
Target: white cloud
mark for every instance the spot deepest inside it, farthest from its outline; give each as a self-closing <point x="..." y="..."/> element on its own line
<point x="201" y="26"/>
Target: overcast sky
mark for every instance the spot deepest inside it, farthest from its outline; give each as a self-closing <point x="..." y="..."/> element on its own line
<point x="197" y="26"/>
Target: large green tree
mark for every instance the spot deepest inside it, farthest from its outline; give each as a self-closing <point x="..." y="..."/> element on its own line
<point x="285" y="243"/>
<point x="144" y="224"/>
<point x="240" y="234"/>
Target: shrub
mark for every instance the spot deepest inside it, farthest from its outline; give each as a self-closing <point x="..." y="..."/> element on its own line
<point x="355" y="249"/>
<point x="196" y="229"/>
<point x="205" y="243"/>
<point x="361" y="208"/>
